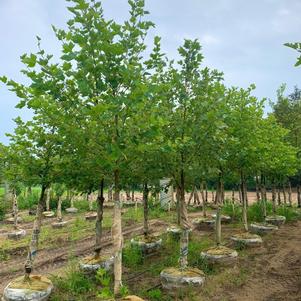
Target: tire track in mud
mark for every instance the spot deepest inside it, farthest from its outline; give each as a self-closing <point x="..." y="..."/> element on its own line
<point x="50" y="260"/>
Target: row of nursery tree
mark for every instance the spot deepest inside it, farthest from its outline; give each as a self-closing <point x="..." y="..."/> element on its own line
<point x="110" y="111"/>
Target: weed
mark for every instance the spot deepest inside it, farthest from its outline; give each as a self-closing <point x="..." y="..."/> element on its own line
<point x="73" y="284"/>
<point x="232" y="209"/>
<point x="155" y="295"/>
<point x="132" y="256"/>
<point x="290" y="213"/>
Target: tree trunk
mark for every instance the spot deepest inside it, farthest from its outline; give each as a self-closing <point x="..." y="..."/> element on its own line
<point x="204" y="197"/>
<point x="117" y="236"/>
<point x="299" y="196"/>
<point x="257" y="189"/>
<point x="59" y="209"/>
<point x="133" y="195"/>
<point x="218" y="227"/>
<point x="110" y="193"/>
<point x="222" y="192"/>
<point x="15" y="209"/>
<point x="98" y="226"/>
<point x="284" y="194"/>
<point x="290" y="194"/>
<point x="240" y="194"/>
<point x="190" y="197"/>
<point x="184" y="224"/>
<point x="178" y="197"/>
<point x="212" y="196"/>
<point x="233" y="195"/>
<point x="274" y="198"/>
<point x="279" y="196"/>
<point x="90" y="201"/>
<point x="128" y="195"/>
<point x="244" y="202"/>
<point x="48" y="199"/>
<point x="145" y="210"/>
<point x="34" y="243"/>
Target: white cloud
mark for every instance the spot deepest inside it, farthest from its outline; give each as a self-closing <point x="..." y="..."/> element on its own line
<point x="209" y="39"/>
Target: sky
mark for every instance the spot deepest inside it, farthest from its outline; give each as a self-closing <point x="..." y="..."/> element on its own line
<point x="243" y="39"/>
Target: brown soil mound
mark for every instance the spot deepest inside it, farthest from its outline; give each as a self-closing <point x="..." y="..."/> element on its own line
<point x="35" y="282"/>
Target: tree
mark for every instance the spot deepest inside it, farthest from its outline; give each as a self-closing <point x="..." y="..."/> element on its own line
<point x="188" y="113"/>
<point x="296" y="46"/>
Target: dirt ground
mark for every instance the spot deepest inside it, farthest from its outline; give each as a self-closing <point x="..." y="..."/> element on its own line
<point x="275" y="270"/>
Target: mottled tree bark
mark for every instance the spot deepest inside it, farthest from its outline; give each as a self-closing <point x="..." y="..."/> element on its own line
<point x="15" y="209"/>
<point x="34" y="243"/>
<point x="117" y="236"/>
<point x="98" y="225"/>
<point x="257" y="188"/>
<point x="218" y="227"/>
<point x="145" y="210"/>
<point x="184" y="224"/>
<point x="279" y="196"/>
<point x="299" y="196"/>
<point x="284" y="194"/>
<point x="59" y="209"/>
<point x="48" y="199"/>
<point x="244" y="201"/>
<point x="290" y="201"/>
<point x="274" y="197"/>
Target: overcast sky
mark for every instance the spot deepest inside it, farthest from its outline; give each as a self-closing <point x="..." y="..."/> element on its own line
<point x="244" y="39"/>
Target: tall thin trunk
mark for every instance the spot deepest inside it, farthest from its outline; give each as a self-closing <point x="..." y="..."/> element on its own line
<point x="196" y="196"/>
<point x="212" y="196"/>
<point x="90" y="201"/>
<point x="59" y="209"/>
<point x="274" y="197"/>
<point x="34" y="243"/>
<point x="299" y="196"/>
<point x="98" y="225"/>
<point x="190" y="197"/>
<point x="110" y="193"/>
<point x="133" y="195"/>
<point x="290" y="193"/>
<point x="240" y="194"/>
<point x="218" y="227"/>
<point x="48" y="199"/>
<point x="284" y="194"/>
<point x="145" y="209"/>
<point x="233" y="195"/>
<point x="279" y="196"/>
<point x="257" y="188"/>
<point x="222" y="192"/>
<point x="117" y="236"/>
<point x="204" y="197"/>
<point x="71" y="199"/>
<point x="128" y="194"/>
<point x="244" y="201"/>
<point x="15" y="209"/>
<point x="184" y="224"/>
<point x="178" y="197"/>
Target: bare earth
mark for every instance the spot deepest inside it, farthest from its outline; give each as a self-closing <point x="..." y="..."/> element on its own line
<point x="276" y="271"/>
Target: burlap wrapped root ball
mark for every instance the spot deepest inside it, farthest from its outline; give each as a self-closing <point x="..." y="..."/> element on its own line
<point x="262" y="228"/>
<point x="38" y="288"/>
<point x="246" y="239"/>
<point x="147" y="244"/>
<point x="175" y="280"/>
<point x="220" y="255"/>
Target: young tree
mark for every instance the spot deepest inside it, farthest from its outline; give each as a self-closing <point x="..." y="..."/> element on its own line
<point x="188" y="111"/>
